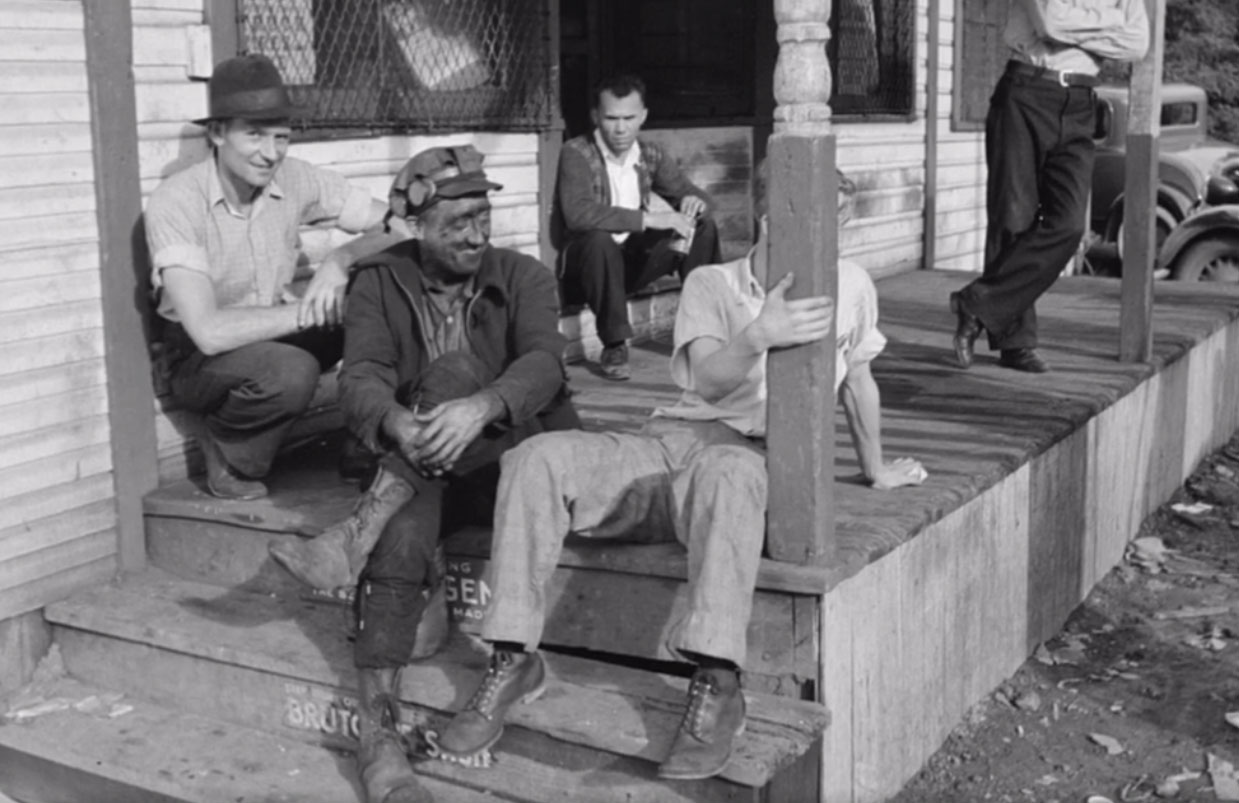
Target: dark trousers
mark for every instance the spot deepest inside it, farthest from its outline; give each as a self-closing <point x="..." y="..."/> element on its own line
<point x="250" y="396"/>
<point x="604" y="273"/>
<point x="1039" y="151"/>
<point x="392" y="592"/>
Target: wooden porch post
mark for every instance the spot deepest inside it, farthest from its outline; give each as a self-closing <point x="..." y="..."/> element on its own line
<point x="1140" y="195"/>
<point x="803" y="240"/>
<point x="131" y="397"/>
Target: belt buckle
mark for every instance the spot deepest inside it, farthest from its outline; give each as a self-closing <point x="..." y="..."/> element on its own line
<point x="1062" y="79"/>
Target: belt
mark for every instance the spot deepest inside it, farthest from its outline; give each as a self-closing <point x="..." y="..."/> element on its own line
<point x="1061" y="78"/>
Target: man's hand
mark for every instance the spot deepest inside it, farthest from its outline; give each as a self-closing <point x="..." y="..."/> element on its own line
<point x="692" y="207"/>
<point x="405" y="431"/>
<point x="323" y="302"/>
<point x="782" y="323"/>
<point x="901" y="472"/>
<point x="669" y="219"/>
<point x="450" y="427"/>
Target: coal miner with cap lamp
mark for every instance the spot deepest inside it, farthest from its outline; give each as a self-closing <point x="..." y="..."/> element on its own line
<point x="452" y="356"/>
<point x="245" y="353"/>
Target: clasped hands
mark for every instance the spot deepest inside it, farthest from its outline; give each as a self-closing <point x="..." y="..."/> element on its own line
<point x="433" y="441"/>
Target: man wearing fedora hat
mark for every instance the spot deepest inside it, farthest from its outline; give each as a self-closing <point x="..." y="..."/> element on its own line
<point x="452" y="356"/>
<point x="244" y="352"/>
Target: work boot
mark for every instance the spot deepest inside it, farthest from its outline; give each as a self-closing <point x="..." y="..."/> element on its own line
<point x="222" y="480"/>
<point x="336" y="557"/>
<point x="512" y="676"/>
<point x="614" y="363"/>
<point x="382" y="760"/>
<point x="1027" y="360"/>
<point x="712" y="720"/>
<point x="967" y="329"/>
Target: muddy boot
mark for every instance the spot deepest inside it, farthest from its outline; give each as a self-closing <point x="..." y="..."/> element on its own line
<point x="336" y="557"/>
<point x="382" y="761"/>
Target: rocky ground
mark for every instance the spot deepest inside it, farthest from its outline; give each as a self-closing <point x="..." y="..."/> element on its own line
<point x="1137" y="699"/>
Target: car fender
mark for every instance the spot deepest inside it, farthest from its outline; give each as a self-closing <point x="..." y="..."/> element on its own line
<point x="1179" y="204"/>
<point x="1211" y="221"/>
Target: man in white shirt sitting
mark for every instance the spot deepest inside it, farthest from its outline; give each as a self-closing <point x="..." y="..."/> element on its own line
<point x="697" y="473"/>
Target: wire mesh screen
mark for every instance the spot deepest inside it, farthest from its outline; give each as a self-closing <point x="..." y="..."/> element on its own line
<point x="872" y="52"/>
<point x="409" y="65"/>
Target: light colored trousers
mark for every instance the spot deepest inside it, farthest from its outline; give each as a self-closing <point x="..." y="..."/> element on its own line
<point x="701" y="483"/>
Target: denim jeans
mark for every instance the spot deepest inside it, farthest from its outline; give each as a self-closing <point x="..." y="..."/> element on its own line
<point x="250" y="396"/>
<point x="698" y="482"/>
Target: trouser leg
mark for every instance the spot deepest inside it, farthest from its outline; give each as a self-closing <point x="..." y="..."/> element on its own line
<point x="721" y="520"/>
<point x="1040" y="152"/>
<point x="250" y="396"/>
<point x="595" y="484"/>
<point x="595" y="262"/>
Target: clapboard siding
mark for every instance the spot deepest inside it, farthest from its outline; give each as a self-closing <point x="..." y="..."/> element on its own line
<point x="57" y="497"/>
<point x="961" y="164"/>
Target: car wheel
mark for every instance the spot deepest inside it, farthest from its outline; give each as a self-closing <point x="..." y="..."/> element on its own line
<point x="1214" y="258"/>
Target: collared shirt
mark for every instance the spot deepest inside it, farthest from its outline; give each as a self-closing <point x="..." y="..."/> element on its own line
<point x="1075" y="35"/>
<point x="442" y="316"/>
<point x="718" y="301"/>
<point x="623" y="178"/>
<point x="250" y="259"/>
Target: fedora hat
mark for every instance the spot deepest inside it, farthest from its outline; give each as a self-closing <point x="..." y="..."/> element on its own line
<point x="247" y="86"/>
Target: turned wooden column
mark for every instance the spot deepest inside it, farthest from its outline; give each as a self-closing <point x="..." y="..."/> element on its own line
<point x="803" y="241"/>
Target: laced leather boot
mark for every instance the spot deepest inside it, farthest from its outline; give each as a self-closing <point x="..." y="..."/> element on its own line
<point x="713" y="718"/>
<point x="511" y="677"/>
<point x="382" y="761"/>
<point x="336" y="557"/>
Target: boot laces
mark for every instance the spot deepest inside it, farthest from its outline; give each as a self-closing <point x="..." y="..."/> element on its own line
<point x="702" y="689"/>
<point x="501" y="667"/>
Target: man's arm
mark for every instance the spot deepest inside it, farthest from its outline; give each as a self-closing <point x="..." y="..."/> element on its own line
<point x="581" y="211"/>
<point x="368" y="376"/>
<point x="323" y="302"/>
<point x="862" y="405"/>
<point x="717" y="368"/>
<point x="669" y="182"/>
<point x="216" y="330"/>
<point x="1120" y="33"/>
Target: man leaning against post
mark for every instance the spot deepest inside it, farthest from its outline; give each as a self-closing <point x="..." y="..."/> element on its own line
<point x="244" y="353"/>
<point x="1039" y="152"/>
<point x="630" y="215"/>
<point x="452" y="356"/>
<point x="696" y="474"/>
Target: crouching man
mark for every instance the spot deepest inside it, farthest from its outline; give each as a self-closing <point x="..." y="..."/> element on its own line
<point x="697" y="473"/>
<point x="452" y="356"/>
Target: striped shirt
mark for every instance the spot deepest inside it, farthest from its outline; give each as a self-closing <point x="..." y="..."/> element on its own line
<point x="250" y="260"/>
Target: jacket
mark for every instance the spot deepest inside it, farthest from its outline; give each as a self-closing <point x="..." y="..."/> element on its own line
<point x="583" y="193"/>
<point x="512" y="325"/>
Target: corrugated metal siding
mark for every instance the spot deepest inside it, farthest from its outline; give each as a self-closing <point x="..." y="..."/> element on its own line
<point x="167" y="98"/>
<point x="57" y="498"/>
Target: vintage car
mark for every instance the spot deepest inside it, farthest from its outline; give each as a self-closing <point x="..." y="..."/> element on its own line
<point x="1197" y="194"/>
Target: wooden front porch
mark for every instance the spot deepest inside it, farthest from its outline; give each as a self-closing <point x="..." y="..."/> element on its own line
<point x="1036" y="484"/>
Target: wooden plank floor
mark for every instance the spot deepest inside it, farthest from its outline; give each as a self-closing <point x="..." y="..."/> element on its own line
<point x="970" y="428"/>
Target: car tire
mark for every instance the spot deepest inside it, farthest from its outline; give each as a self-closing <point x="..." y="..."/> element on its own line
<point x="1212" y="258"/>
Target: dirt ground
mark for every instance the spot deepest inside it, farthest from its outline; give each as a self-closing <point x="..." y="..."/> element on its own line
<point x="1130" y="701"/>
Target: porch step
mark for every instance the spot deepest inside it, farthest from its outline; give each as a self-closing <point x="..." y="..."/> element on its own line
<point x="284" y="666"/>
<point x="198" y="537"/>
<point x="154" y="754"/>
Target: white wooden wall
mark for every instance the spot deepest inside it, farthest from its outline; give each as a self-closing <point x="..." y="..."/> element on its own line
<point x="57" y="498"/>
<point x="960" y="229"/>
<point x="169" y="41"/>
